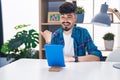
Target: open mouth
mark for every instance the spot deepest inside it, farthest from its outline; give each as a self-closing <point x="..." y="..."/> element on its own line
<point x="66" y="23"/>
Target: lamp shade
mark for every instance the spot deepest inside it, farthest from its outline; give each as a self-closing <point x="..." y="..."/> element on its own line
<point x="102" y="18"/>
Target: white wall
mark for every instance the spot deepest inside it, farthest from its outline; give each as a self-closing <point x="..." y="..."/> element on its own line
<point x="99" y="31"/>
<point x="17" y="12"/>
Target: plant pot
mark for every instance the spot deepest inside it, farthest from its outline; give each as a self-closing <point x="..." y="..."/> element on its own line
<point x="80" y="18"/>
<point x="109" y="45"/>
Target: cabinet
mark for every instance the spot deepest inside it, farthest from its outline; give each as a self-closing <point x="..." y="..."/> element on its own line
<point x="43" y="22"/>
<point x="90" y="11"/>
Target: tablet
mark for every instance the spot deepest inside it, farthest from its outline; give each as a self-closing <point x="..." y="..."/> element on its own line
<point x="54" y="55"/>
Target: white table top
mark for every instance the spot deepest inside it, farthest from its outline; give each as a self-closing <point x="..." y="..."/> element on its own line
<point x="37" y="69"/>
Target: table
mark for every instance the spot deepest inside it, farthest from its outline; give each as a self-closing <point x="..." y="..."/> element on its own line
<point x="37" y="69"/>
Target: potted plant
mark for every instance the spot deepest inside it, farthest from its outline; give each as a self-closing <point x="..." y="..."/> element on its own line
<point x="22" y="44"/>
<point x="109" y="41"/>
<point x="80" y="14"/>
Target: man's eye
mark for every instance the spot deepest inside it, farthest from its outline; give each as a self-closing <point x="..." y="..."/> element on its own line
<point x="62" y="17"/>
<point x="69" y="16"/>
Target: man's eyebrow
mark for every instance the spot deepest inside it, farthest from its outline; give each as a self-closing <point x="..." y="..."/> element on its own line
<point x="69" y="14"/>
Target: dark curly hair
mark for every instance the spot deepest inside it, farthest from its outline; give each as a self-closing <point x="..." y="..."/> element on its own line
<point x="67" y="7"/>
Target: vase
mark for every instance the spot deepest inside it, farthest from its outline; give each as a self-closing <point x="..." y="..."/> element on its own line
<point x="109" y="45"/>
<point x="80" y="18"/>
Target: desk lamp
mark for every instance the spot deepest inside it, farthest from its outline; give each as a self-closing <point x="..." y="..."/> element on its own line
<point x="102" y="18"/>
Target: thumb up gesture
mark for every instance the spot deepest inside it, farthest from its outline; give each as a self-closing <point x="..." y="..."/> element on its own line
<point x="47" y="36"/>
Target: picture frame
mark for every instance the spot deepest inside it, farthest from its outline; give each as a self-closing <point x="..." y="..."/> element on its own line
<point x="111" y="17"/>
<point x="53" y="17"/>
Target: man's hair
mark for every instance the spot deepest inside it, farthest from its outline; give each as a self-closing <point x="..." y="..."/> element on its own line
<point x="67" y="7"/>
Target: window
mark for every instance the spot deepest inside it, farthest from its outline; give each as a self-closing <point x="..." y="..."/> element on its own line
<point x="17" y="12"/>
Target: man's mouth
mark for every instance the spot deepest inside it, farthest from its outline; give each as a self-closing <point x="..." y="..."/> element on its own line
<point x="66" y="23"/>
<point x="66" y="26"/>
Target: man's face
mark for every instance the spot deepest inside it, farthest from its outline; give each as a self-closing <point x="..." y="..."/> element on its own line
<point x="67" y="21"/>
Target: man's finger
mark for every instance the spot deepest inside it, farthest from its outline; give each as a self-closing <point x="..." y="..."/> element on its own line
<point x="41" y="32"/>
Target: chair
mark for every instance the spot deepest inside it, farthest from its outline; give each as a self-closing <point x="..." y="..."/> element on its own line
<point x="114" y="56"/>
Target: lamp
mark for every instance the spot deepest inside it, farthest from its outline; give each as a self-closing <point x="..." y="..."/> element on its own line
<point x="102" y="18"/>
<point x="115" y="11"/>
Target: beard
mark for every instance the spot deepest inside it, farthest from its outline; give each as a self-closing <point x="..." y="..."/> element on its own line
<point x="66" y="28"/>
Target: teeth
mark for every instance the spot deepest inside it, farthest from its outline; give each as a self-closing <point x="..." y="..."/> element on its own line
<point x="66" y="24"/>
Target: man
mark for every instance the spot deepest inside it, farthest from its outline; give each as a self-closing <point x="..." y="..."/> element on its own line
<point x="76" y="40"/>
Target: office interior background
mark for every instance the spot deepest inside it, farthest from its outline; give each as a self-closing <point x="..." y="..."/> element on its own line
<point x="15" y="12"/>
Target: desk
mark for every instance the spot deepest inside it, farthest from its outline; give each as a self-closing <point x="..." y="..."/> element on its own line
<point x="37" y="69"/>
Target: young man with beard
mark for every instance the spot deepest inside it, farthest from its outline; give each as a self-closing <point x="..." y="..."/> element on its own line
<point x="76" y="40"/>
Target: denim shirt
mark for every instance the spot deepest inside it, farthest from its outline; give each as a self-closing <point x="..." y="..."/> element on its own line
<point x="82" y="41"/>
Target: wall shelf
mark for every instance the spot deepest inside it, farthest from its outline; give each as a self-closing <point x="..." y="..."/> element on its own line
<point x="43" y="23"/>
<point x="50" y="24"/>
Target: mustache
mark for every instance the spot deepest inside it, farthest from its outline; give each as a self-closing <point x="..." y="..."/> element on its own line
<point x="65" y="22"/>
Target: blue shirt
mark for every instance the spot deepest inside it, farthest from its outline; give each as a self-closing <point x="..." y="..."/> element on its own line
<point x="82" y="41"/>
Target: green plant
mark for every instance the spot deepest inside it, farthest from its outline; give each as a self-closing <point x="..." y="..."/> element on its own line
<point x="80" y="10"/>
<point x="108" y="36"/>
<point x="22" y="44"/>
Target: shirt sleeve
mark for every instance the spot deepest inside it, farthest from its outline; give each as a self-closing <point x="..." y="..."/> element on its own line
<point x="90" y="46"/>
<point x="57" y="37"/>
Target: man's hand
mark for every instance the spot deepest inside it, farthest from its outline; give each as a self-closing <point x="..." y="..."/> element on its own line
<point x="47" y="36"/>
<point x="69" y="59"/>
